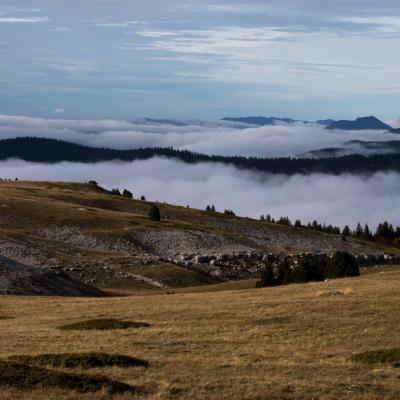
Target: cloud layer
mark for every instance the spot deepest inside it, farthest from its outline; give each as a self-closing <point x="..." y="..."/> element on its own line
<point x="206" y="137"/>
<point x="332" y="199"/>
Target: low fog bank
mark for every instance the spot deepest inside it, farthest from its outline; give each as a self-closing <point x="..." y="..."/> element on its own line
<point x="213" y="138"/>
<point x="339" y="200"/>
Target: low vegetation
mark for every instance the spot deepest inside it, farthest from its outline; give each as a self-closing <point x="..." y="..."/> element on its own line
<point x="102" y="324"/>
<point x="28" y="377"/>
<point x="85" y="360"/>
<point x="310" y="268"/>
<point x="386" y="356"/>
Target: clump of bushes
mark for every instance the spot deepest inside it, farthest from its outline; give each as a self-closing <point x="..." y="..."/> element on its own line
<point x="85" y="360"/>
<point x="28" y="377"/>
<point x="128" y="194"/>
<point x="229" y="213"/>
<point x="387" y="356"/>
<point x="310" y="268"/>
<point x="103" y="324"/>
<point x="154" y="213"/>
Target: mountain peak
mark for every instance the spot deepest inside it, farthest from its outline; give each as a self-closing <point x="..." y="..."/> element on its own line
<point x="361" y="123"/>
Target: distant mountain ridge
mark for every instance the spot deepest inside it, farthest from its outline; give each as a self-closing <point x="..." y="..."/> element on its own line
<point x="263" y="121"/>
<point x="362" y="123"/>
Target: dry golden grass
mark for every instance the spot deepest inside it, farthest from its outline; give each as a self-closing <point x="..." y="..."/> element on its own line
<point x="290" y="342"/>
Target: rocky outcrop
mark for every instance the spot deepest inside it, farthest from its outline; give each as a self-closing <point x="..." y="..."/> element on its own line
<point x="153" y="242"/>
<point x="20" y="279"/>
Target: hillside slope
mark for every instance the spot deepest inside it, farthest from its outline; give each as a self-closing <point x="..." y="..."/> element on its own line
<point x="19" y="279"/>
<point x="108" y="240"/>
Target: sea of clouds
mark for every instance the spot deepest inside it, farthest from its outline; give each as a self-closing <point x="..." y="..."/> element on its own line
<point x="218" y="137"/>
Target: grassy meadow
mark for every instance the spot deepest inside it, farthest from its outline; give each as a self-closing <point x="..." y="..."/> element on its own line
<point x="292" y="342"/>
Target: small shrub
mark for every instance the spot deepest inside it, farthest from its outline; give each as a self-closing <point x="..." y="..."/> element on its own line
<point x="3" y="317"/>
<point x="387" y="356"/>
<point x="86" y="360"/>
<point x="29" y="377"/>
<point x="154" y="213"/>
<point x="103" y="324"/>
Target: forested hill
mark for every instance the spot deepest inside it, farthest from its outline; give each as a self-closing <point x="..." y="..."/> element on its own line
<point x="53" y="151"/>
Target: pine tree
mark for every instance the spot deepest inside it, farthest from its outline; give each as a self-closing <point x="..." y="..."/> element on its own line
<point x="154" y="213"/>
<point x="359" y="231"/>
<point x="346" y="231"/>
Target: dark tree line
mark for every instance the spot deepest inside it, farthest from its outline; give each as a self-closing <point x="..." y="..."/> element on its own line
<point x="384" y="233"/>
<point x="309" y="268"/>
<point x="52" y="151"/>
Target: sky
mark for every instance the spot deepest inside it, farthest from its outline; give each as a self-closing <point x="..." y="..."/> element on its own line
<point x="124" y="59"/>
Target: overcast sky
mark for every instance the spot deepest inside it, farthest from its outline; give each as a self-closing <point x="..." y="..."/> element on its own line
<point x="200" y="59"/>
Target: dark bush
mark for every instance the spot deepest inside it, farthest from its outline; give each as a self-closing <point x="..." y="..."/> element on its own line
<point x="84" y="360"/>
<point x="308" y="270"/>
<point x="103" y="324"/>
<point x="267" y="277"/>
<point x="341" y="264"/>
<point x="387" y="356"/>
<point x="28" y="377"/>
<point x="311" y="268"/>
<point x="126" y="193"/>
<point x="230" y="213"/>
<point x="115" y="192"/>
<point x="154" y="213"/>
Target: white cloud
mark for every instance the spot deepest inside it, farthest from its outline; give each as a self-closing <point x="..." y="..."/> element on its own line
<point x="11" y="20"/>
<point x="325" y="62"/>
<point x="117" y="24"/>
<point x="238" y="8"/>
<point x="59" y="110"/>
<point x="372" y="20"/>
